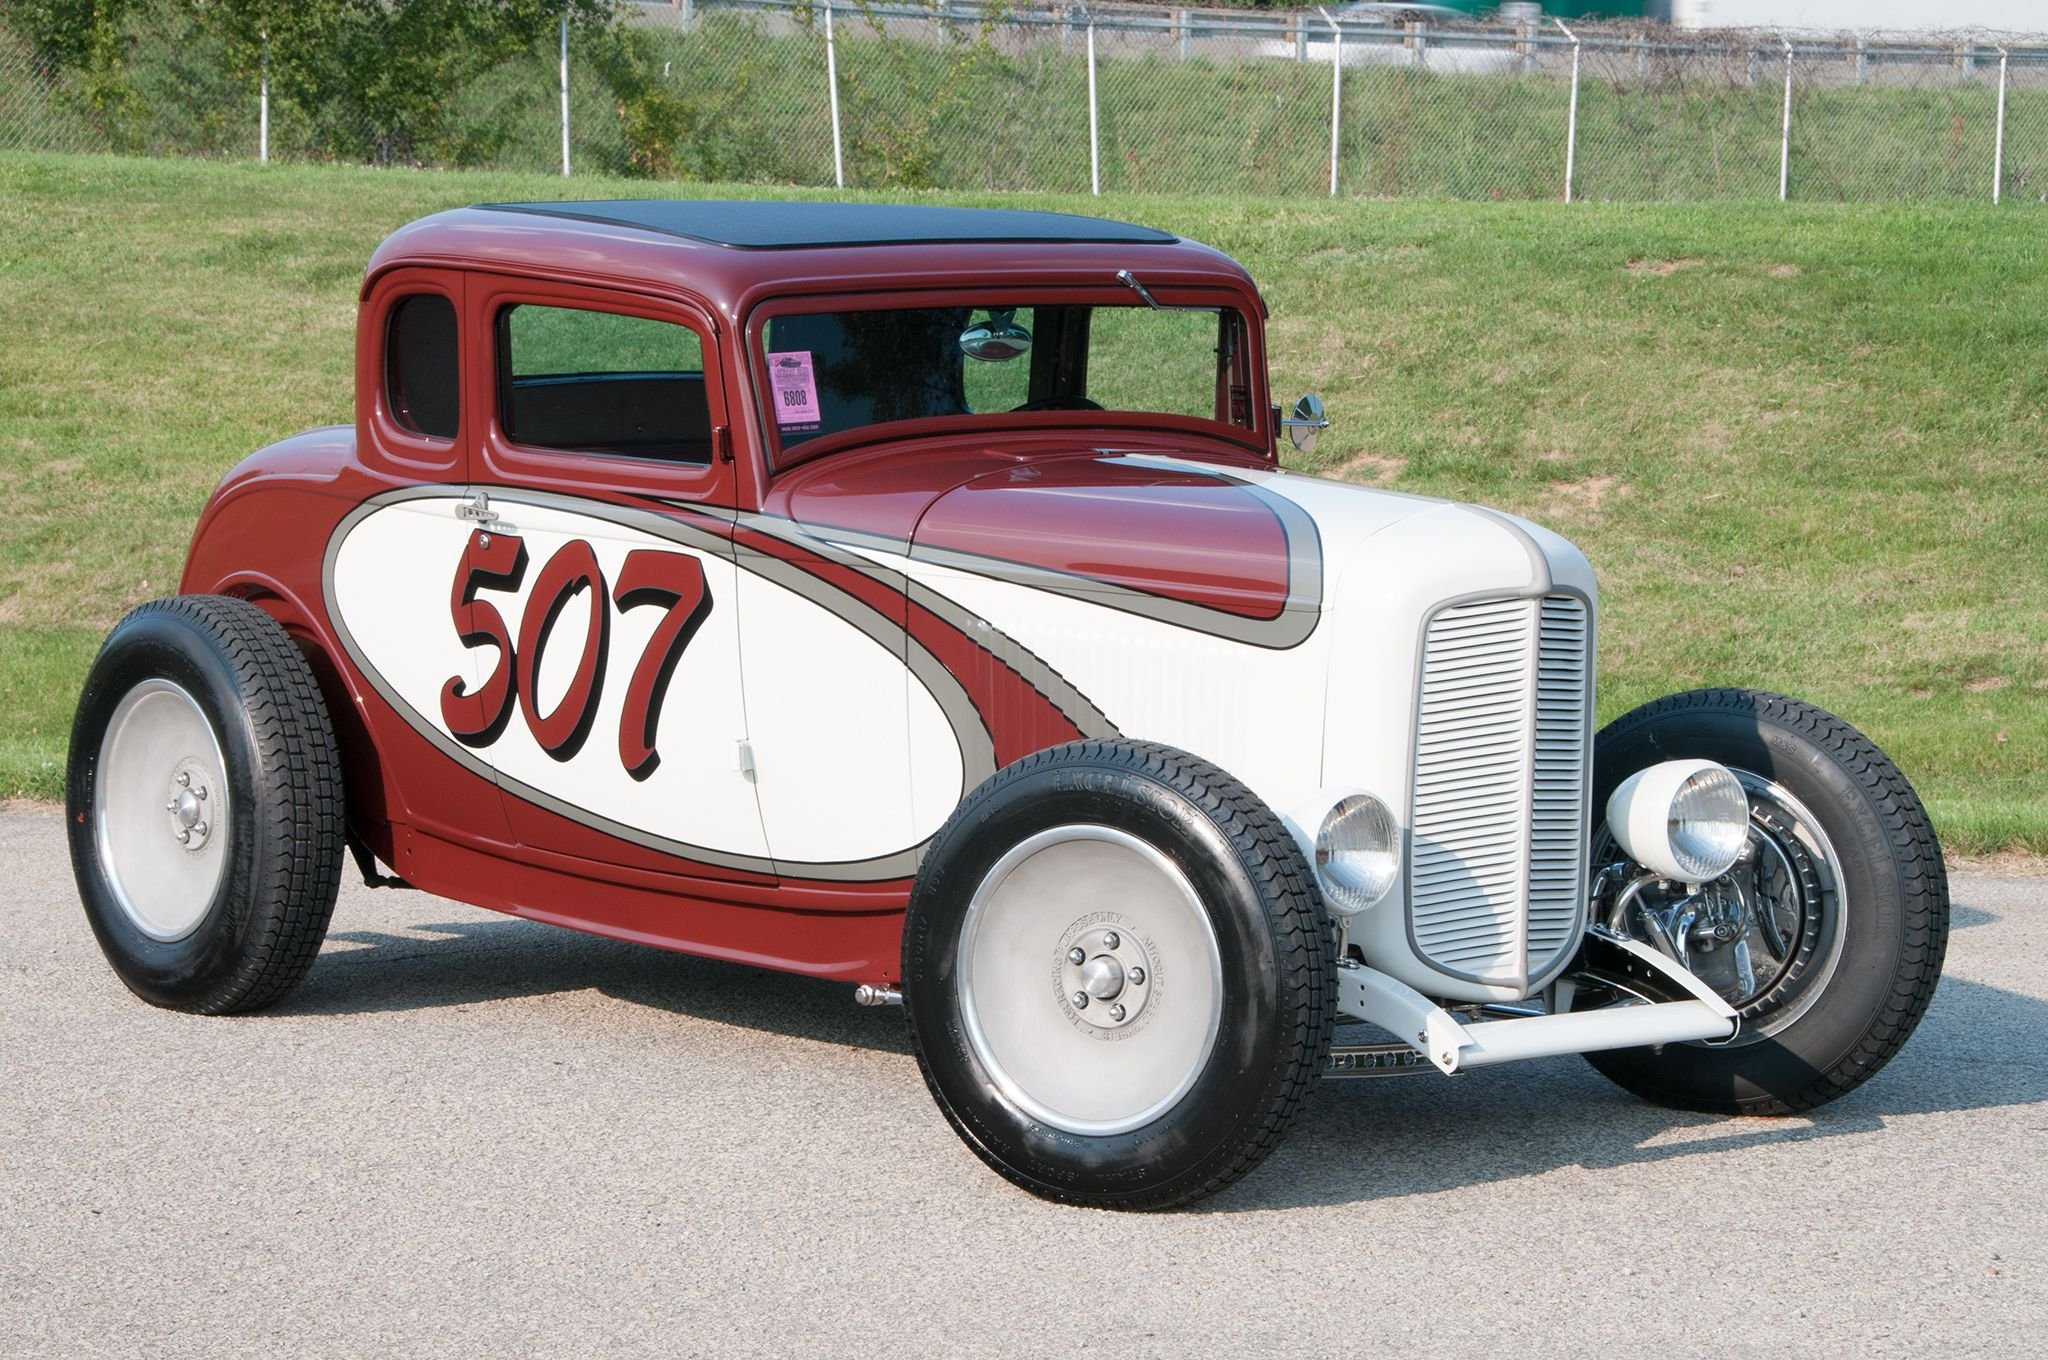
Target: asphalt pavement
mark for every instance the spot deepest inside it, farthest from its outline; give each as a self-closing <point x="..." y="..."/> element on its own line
<point x="471" y="1135"/>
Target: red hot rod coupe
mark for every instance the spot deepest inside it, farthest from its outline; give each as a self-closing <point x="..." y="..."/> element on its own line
<point x="912" y="596"/>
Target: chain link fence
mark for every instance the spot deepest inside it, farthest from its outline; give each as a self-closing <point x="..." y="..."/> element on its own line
<point x="950" y="94"/>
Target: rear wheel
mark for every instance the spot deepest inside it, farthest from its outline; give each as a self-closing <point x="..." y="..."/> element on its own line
<point x="204" y="795"/>
<point x="1118" y="975"/>
<point x="1827" y="936"/>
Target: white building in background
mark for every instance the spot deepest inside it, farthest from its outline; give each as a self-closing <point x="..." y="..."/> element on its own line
<point x="2016" y="16"/>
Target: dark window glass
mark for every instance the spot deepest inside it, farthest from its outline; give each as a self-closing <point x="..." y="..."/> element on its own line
<point x="833" y="372"/>
<point x="601" y="382"/>
<point x="420" y="377"/>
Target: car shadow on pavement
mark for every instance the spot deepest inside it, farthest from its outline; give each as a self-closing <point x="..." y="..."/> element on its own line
<point x="466" y="963"/>
<point x="1384" y="1138"/>
<point x="1356" y="1140"/>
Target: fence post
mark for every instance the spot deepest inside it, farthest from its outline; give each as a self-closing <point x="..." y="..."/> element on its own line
<point x="1301" y="40"/>
<point x="1785" y="132"/>
<point x="688" y="10"/>
<point x="565" y="96"/>
<point x="1094" y="123"/>
<point x="263" y="104"/>
<point x="1998" y="145"/>
<point x="1187" y="34"/>
<point x="1862" y="60"/>
<point x="1571" y="131"/>
<point x="1418" y="44"/>
<point x="1336" y="91"/>
<point x="1966" y="63"/>
<point x="832" y="97"/>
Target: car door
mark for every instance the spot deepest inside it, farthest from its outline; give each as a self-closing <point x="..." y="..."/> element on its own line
<point x="396" y="567"/>
<point x="609" y="511"/>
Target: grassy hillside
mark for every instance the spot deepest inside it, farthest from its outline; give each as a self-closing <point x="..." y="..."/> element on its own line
<point x="743" y="97"/>
<point x="1803" y="447"/>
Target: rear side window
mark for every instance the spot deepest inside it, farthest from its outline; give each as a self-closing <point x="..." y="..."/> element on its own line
<point x="602" y="382"/>
<point x="421" y="381"/>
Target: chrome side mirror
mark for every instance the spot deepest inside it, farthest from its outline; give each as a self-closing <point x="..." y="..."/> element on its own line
<point x="1307" y="422"/>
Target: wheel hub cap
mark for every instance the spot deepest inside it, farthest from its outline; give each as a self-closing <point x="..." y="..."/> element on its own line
<point x="187" y="807"/>
<point x="1090" y="982"/>
<point x="160" y="810"/>
<point x="1104" y="972"/>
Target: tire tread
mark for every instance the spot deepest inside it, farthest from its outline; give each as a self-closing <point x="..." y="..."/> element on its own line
<point x="1923" y="884"/>
<point x="1305" y="956"/>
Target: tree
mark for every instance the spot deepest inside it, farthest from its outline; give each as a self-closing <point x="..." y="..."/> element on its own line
<point x="376" y="79"/>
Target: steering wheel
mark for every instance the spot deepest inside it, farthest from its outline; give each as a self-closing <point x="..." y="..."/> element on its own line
<point x="1059" y="404"/>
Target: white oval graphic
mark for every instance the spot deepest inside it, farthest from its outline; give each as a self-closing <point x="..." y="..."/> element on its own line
<point x="603" y="657"/>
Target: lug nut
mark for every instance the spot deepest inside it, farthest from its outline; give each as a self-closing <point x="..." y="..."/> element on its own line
<point x="1110" y="941"/>
<point x="1137" y="977"/>
<point x="200" y="793"/>
<point x="171" y="806"/>
<point x="184" y="780"/>
<point x="1077" y="955"/>
<point x="1080" y="1001"/>
<point x="1116" y="1012"/>
<point x="184" y="838"/>
<point x="199" y="829"/>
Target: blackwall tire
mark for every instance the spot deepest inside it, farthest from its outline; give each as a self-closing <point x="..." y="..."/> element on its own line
<point x="1118" y="974"/>
<point x="1874" y="960"/>
<point x="204" y="806"/>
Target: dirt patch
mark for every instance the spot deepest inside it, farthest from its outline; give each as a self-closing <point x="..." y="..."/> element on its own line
<point x="1783" y="271"/>
<point x="32" y="807"/>
<point x="2004" y="864"/>
<point x="1663" y="269"/>
<point x="1985" y="684"/>
<point x="1377" y="468"/>
<point x="1587" y="495"/>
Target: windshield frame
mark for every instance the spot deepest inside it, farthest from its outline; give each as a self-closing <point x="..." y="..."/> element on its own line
<point x="1248" y="364"/>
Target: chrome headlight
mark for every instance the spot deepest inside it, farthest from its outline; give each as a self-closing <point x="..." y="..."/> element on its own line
<point x="1684" y="819"/>
<point x="1358" y="853"/>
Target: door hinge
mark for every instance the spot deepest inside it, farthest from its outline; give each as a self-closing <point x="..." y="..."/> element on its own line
<point x="721" y="442"/>
<point x="744" y="759"/>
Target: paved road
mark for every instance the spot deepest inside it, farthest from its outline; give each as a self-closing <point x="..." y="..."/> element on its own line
<point x="472" y="1135"/>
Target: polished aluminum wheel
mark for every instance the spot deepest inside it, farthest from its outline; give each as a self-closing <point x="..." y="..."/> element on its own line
<point x="160" y="810"/>
<point x="1090" y="982"/>
<point x="1768" y="934"/>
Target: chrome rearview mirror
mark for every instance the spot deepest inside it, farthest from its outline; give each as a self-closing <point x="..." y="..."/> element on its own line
<point x="1307" y="422"/>
<point x="997" y="339"/>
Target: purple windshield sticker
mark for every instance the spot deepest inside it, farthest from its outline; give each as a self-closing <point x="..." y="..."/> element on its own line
<point x="794" y="389"/>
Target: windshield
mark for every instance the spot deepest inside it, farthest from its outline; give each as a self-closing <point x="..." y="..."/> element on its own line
<point x="831" y="372"/>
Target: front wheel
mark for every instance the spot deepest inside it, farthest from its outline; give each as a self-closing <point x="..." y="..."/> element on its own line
<point x="1118" y="974"/>
<point x="1826" y="937"/>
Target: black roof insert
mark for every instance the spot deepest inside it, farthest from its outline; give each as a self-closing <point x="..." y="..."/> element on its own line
<point x="792" y="226"/>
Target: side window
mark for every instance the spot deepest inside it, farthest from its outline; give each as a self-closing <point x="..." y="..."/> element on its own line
<point x="602" y="382"/>
<point x="421" y="381"/>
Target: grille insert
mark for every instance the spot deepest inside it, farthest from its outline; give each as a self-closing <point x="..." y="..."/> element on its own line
<point x="1498" y="814"/>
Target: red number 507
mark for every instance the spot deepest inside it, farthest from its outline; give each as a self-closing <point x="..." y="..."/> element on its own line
<point x="673" y="580"/>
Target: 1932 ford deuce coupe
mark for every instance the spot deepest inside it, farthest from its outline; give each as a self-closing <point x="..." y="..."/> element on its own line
<point x="911" y="596"/>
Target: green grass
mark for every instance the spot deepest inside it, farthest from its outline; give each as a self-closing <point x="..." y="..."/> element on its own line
<point x="1803" y="447"/>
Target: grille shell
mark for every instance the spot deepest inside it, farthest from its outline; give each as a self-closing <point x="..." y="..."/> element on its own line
<point x="1498" y="809"/>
